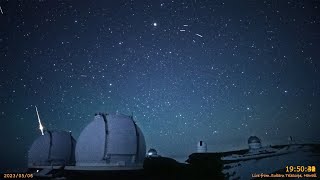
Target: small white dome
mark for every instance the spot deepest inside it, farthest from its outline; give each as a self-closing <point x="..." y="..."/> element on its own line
<point x="111" y="140"/>
<point x="253" y="139"/>
<point x="201" y="147"/>
<point x="53" y="148"/>
<point x="254" y="143"/>
<point x="152" y="153"/>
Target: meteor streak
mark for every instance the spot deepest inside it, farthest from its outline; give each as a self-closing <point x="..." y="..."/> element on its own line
<point x="40" y="125"/>
<point x="199" y="35"/>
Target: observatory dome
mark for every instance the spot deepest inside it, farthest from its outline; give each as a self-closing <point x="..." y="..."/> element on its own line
<point x="111" y="140"/>
<point x="201" y="147"/>
<point x="152" y="153"/>
<point x="254" y="143"/>
<point x="54" y="148"/>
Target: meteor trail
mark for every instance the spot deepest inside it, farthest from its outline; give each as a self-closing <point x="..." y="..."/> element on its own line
<point x="199" y="35"/>
<point x="1" y="10"/>
<point x="40" y="125"/>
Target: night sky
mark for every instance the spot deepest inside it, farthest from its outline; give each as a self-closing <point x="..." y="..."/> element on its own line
<point x="188" y="70"/>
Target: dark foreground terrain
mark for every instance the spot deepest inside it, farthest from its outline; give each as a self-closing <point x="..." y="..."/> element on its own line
<point x="227" y="165"/>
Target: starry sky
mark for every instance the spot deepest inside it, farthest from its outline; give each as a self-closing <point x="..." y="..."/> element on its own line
<point x="188" y="70"/>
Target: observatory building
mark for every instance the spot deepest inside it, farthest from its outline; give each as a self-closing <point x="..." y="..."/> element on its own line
<point x="110" y="141"/>
<point x="113" y="147"/>
<point x="54" y="148"/>
<point x="152" y="153"/>
<point x="254" y="143"/>
<point x="201" y="147"/>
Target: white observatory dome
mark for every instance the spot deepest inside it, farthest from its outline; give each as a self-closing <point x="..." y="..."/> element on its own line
<point x="201" y="147"/>
<point x="54" y="148"/>
<point x="152" y="153"/>
<point x="111" y="140"/>
<point x="254" y="143"/>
